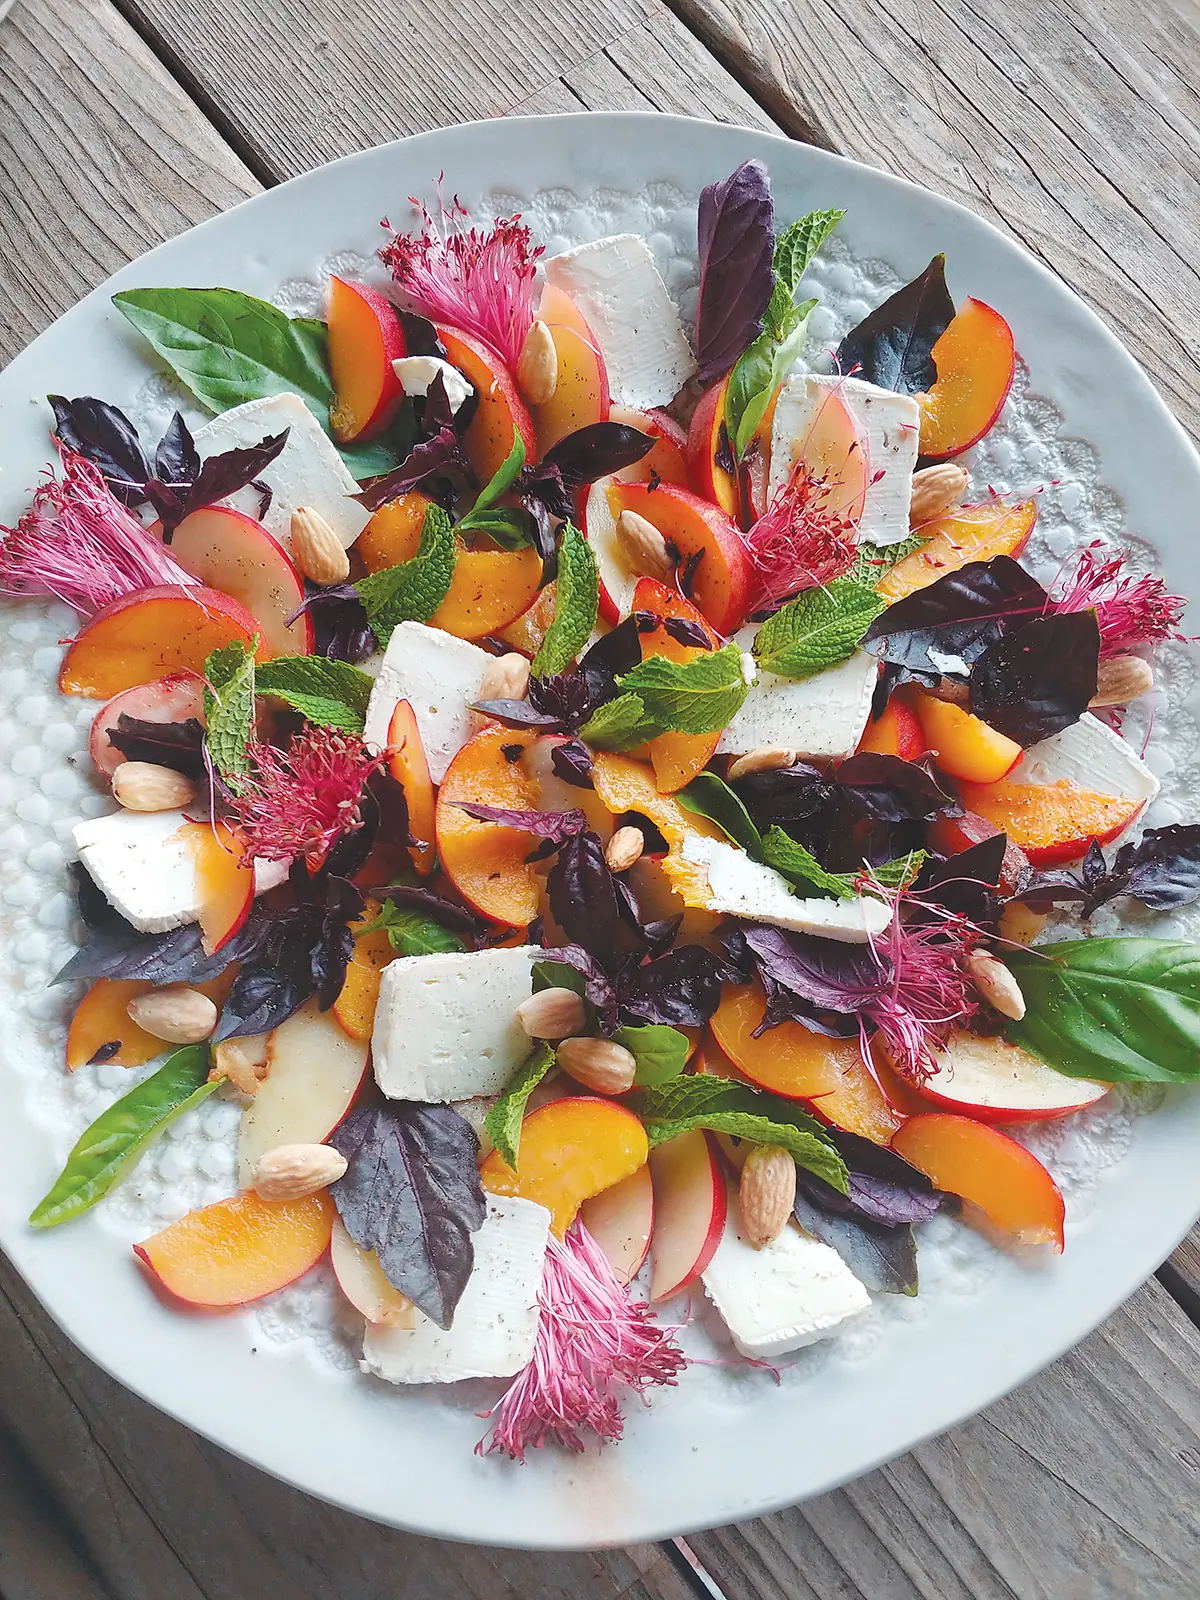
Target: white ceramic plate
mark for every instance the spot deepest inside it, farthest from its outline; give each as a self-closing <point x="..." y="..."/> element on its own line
<point x="728" y="1443"/>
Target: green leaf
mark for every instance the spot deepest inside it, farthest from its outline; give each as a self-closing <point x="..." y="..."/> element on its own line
<point x="711" y="797"/>
<point x="412" y="591"/>
<point x="619" y="724"/>
<point x="661" y="1052"/>
<point x="383" y="451"/>
<point x="749" y="388"/>
<point x="818" y="629"/>
<point x="873" y="562"/>
<point x="794" y="251"/>
<point x="413" y="932"/>
<point x="503" y="1121"/>
<point x="696" y="696"/>
<point x="107" y="1149"/>
<point x="576" y="605"/>
<point x="502" y="481"/>
<point x="898" y="874"/>
<point x="802" y="869"/>
<point x="229" y="708"/>
<point x="705" y="1101"/>
<point x="1119" y="1010"/>
<point x="510" y="527"/>
<point x="332" y="694"/>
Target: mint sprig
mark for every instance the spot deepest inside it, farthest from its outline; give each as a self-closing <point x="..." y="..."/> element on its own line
<point x="660" y="696"/>
<point x="576" y="605"/>
<point x="820" y="628"/>
<point x="795" y="249"/>
<point x="229" y="708"/>
<point x="503" y="1121"/>
<point x="413" y="590"/>
<point x="332" y="694"/>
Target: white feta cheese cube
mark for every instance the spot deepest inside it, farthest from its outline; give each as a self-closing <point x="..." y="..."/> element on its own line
<point x="439" y="676"/>
<point x="790" y="1293"/>
<point x="890" y="426"/>
<point x="307" y="472"/>
<point x="416" y="374"/>
<point x="1091" y="755"/>
<point x="741" y="887"/>
<point x="495" y="1322"/>
<point x="820" y="718"/>
<point x="624" y="301"/>
<point x="446" y="1026"/>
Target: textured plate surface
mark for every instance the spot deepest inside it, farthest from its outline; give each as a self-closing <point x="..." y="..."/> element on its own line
<point x="277" y="1383"/>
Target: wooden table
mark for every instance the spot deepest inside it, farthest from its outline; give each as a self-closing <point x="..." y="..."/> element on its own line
<point x="1076" y="126"/>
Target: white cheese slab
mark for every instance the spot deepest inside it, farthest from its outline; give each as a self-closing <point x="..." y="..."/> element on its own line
<point x="820" y="718"/>
<point x="307" y="472"/>
<point x="741" y="887"/>
<point x="439" y="676"/>
<point x="790" y="1293"/>
<point x="1089" y="754"/>
<point x="495" y="1323"/>
<point x="416" y="374"/>
<point x="621" y="296"/>
<point x="890" y="426"/>
<point x="446" y="1026"/>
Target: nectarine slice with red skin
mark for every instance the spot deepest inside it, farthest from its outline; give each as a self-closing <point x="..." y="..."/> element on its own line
<point x="408" y="765"/>
<point x="675" y="757"/>
<point x="975" y="360"/>
<point x="789" y="1060"/>
<point x="581" y="395"/>
<point x="621" y="1220"/>
<point x="239" y="1249"/>
<point x="570" y="1150"/>
<point x="994" y="1081"/>
<point x="690" y="1204"/>
<point x="897" y="732"/>
<point x="708" y="478"/>
<point x="968" y="533"/>
<point x="949" y="836"/>
<point x="858" y="1104"/>
<point x="500" y="412"/>
<point x="101" y="1019"/>
<point x="226" y="884"/>
<point x="355" y="1006"/>
<point x="152" y="632"/>
<point x="486" y="862"/>
<point x="989" y="1170"/>
<point x="667" y="459"/>
<point x="365" y="337"/>
<point x="231" y="552"/>
<point x="964" y="746"/>
<point x="1051" y="822"/>
<point x="171" y="699"/>
<point x="364" y="1283"/>
<point x="526" y="632"/>
<point x="694" y="527"/>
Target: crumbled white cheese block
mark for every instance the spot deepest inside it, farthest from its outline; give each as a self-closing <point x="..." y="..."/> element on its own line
<point x="416" y="374"/>
<point x="890" y="426"/>
<point x="790" y="1293"/>
<point x="439" y="676"/>
<point x="446" y="1026"/>
<point x="1091" y="755"/>
<point x="619" y="293"/>
<point x="741" y="887"/>
<point x="495" y="1323"/>
<point x="307" y="472"/>
<point x="822" y="717"/>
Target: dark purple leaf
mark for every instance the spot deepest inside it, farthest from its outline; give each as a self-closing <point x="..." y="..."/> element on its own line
<point x="572" y="762"/>
<point x="723" y="455"/>
<point x="653" y="936"/>
<point x="105" y="436"/>
<point x="735" y="227"/>
<point x="224" y="474"/>
<point x="105" y="1053"/>
<point x="596" y="985"/>
<point x="517" y="714"/>
<point x="618" y="652"/>
<point x="883" y="1187"/>
<point x="437" y="413"/>
<point x="442" y="453"/>
<point x="882" y="1258"/>
<point x="1057" y="886"/>
<point x="943" y="629"/>
<point x="554" y="826"/>
<point x="684" y="631"/>
<point x="829" y="975"/>
<point x="889" y="789"/>
<point x="115" y="948"/>
<point x="178" y="745"/>
<point x="544" y="492"/>
<point x="681" y="988"/>
<point x="893" y="347"/>
<point x="340" y="628"/>
<point x="449" y="912"/>
<point x="412" y="1193"/>
<point x="265" y="495"/>
<point x="1094" y="869"/>
<point x="597" y="450"/>
<point x="798" y="793"/>
<point x="420" y="335"/>
<point x="583" y="898"/>
<point x="965" y="884"/>
<point x="687" y="573"/>
<point x="1163" y="870"/>
<point x="176" y="459"/>
<point x="1040" y="679"/>
<point x="564" y="696"/>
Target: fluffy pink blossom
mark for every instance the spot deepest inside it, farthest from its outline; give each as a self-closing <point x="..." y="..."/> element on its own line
<point x="300" y="800"/>
<point x="1132" y="612"/>
<point x="801" y="540"/>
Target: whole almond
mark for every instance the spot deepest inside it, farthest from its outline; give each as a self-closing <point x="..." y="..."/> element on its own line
<point x="644" y="548"/>
<point x="767" y="1192"/>
<point x="291" y="1171"/>
<point x="537" y="365"/>
<point x="243" y="1061"/>
<point x="175" y="1013"/>
<point x="996" y="984"/>
<point x="505" y="678"/>
<point x="624" y="848"/>
<point x="767" y="758"/>
<point x="316" y="549"/>
<point x="934" y="490"/>
<point x="552" y="1014"/>
<point x="142" y="786"/>
<point x="1020" y="924"/>
<point x="598" y="1064"/>
<point x="1121" y="679"/>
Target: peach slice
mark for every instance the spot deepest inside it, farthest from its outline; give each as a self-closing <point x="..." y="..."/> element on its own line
<point x="675" y="757"/>
<point x="235" y="554"/>
<point x="407" y="764"/>
<point x="968" y="533"/>
<point x="226" y="884"/>
<point x="394" y="531"/>
<point x="975" y="360"/>
<point x="949" y="836"/>
<point x="965" y="746"/>
<point x="570" y="1150"/>
<point x="621" y="1220"/>
<point x="529" y="629"/>
<point x="484" y="861"/>
<point x="102" y="1019"/>
<point x="896" y="733"/>
<point x="144" y="635"/>
<point x="1051" y="822"/>
<point x="985" y="1167"/>
<point x="500" y="413"/>
<point x="628" y="785"/>
<point x="834" y="454"/>
<point x="859" y="1105"/>
<point x="171" y="699"/>
<point x="239" y="1249"/>
<point x="995" y="1081"/>
<point x="708" y="478"/>
<point x="355" y="1006"/>
<point x="690" y="1202"/>
<point x="362" y="1280"/>
<point x="699" y="531"/>
<point x="581" y="395"/>
<point x="666" y="459"/>
<point x="365" y="337"/>
<point x="791" y="1059"/>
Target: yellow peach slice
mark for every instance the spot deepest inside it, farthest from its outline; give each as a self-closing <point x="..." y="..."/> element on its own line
<point x="570" y="1150"/>
<point x="239" y="1249"/>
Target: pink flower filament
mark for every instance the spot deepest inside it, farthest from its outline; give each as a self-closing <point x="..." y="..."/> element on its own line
<point x="802" y="540"/>
<point x="299" y="801"/>
<point x="927" y="993"/>
<point x="1132" y="612"/>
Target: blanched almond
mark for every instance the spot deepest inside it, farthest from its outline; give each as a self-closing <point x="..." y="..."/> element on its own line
<point x="643" y="546"/>
<point x="552" y="1014"/>
<point x="934" y="490"/>
<point x="505" y="678"/>
<point x="598" y="1064"/>
<point x="767" y="1192"/>
<point x="767" y="758"/>
<point x="996" y="984"/>
<point x="1121" y="679"/>
<point x="175" y="1013"/>
<point x="316" y="549"/>
<point x="624" y="848"/>
<point x="291" y="1171"/>
<point x="143" y="786"/>
<point x="537" y="365"/>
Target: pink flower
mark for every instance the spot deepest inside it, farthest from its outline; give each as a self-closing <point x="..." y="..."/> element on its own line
<point x="299" y="801"/>
<point x="592" y="1342"/>
<point x="801" y="541"/>
<point x="78" y="543"/>
<point x="481" y="282"/>
<point x="1132" y="612"/>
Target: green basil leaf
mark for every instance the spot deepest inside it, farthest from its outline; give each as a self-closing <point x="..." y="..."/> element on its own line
<point x="784" y="357"/>
<point x="229" y="708"/>
<point x="1118" y="1010"/>
<point x="697" y="696"/>
<point x="509" y="526"/>
<point x="661" y="1052"/>
<point x="501" y="482"/>
<point x="503" y="1121"/>
<point x="412" y="932"/>
<point x="106" y="1150"/>
<point x="820" y="628"/>
<point x="413" y="590"/>
<point x="749" y="391"/>
<point x="576" y="605"/>
<point x="369" y="458"/>
<point x="332" y="694"/>
<point x="711" y="797"/>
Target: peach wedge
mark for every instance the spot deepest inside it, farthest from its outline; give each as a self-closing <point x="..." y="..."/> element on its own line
<point x="239" y="1249"/>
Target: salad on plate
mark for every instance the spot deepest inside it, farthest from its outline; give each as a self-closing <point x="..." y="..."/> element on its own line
<point x="605" y="798"/>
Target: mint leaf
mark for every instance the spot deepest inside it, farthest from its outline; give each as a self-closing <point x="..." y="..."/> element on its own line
<point x="412" y="591"/>
<point x="502" y="481"/>
<point x="794" y="251"/>
<point x="503" y="1121"/>
<point x="576" y="605"/>
<point x="229" y="708"/>
<point x="333" y="694"/>
<point x="802" y="869"/>
<point x="661" y="1052"/>
<point x="413" y="933"/>
<point x="873" y="561"/>
<point x="619" y="724"/>
<point x="818" y="629"/>
<point x="898" y="874"/>
<point x="696" y="696"/>
<point x="711" y="797"/>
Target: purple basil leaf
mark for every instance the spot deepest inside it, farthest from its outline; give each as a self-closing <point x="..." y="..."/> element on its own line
<point x="225" y="474"/>
<point x="735" y="226"/>
<point x="618" y="652"/>
<point x="653" y="936"/>
<point x="1094" y="869"/>
<point x="412" y="1193"/>
<point x="572" y="762"/>
<point x="882" y="1185"/>
<point x="420" y="335"/>
<point x="684" y="631"/>
<point x="1163" y="870"/>
<point x="893" y="346"/>
<point x="115" y="948"/>
<point x="457" y="917"/>
<point x="943" y="629"/>
<point x="106" y="437"/>
<point x="176" y="459"/>
<point x="1040" y="679"/>
<point x="544" y="491"/>
<point x="515" y="713"/>
<point x="829" y="975"/>
<point x="178" y="745"/>
<point x="340" y="628"/>
<point x="565" y="696"/>
<point x="441" y="454"/>
<point x="965" y="884"/>
<point x="1057" y="886"/>
<point x="554" y="826"/>
<point x="681" y="988"/>
<point x="598" y="988"/>
<point x="889" y="789"/>
<point x="168" y="503"/>
<point x="882" y="1258"/>
<point x="583" y="897"/>
<point x="798" y="793"/>
<point x="595" y="451"/>
<point x="437" y="413"/>
<point x="265" y="495"/>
